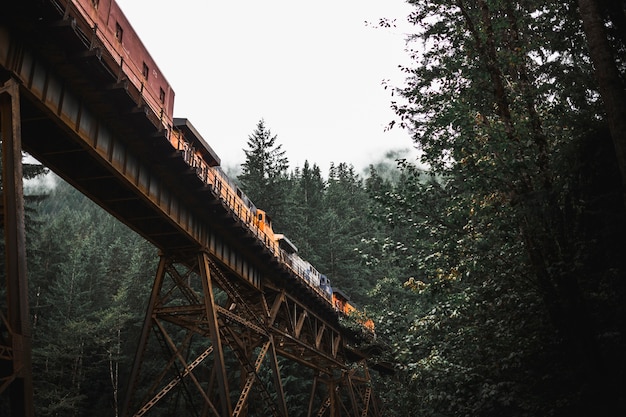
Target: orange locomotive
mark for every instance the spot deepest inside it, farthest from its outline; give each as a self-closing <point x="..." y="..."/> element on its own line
<point x="342" y="303"/>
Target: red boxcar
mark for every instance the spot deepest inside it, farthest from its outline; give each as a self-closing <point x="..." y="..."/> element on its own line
<point x="118" y="37"/>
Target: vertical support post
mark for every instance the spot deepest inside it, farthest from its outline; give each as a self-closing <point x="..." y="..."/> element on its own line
<point x="350" y="387"/>
<point x="209" y="305"/>
<point x="143" y="340"/>
<point x="312" y="397"/>
<point x="278" y="383"/>
<point x="21" y="389"/>
<point x="335" y="410"/>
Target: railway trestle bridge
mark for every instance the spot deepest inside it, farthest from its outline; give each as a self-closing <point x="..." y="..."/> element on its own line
<point x="222" y="307"/>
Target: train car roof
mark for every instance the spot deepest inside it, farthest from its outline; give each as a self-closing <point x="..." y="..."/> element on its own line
<point x="286" y="244"/>
<point x="341" y="293"/>
<point x="197" y="140"/>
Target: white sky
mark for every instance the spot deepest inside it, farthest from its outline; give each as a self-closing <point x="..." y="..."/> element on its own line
<point x="313" y="70"/>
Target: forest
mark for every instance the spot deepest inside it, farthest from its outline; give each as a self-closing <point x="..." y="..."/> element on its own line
<point x="493" y="266"/>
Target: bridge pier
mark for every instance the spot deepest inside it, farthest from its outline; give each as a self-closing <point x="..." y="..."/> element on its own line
<point x="193" y="330"/>
<point x="15" y="330"/>
<point x="213" y="346"/>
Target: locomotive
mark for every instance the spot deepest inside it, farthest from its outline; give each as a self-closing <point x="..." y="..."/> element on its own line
<point x="114" y="33"/>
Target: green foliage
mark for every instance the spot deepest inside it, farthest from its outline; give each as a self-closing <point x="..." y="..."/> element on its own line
<point x="343" y="224"/>
<point x="263" y="174"/>
<point x="499" y="273"/>
<point x="88" y="278"/>
<point x="306" y="207"/>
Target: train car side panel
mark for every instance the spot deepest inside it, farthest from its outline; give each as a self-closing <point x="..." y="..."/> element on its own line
<point x="117" y="36"/>
<point x="139" y="66"/>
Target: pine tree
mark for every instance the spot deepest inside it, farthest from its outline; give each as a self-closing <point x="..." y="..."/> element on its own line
<point x="343" y="224"/>
<point x="89" y="279"/>
<point x="306" y="205"/>
<point x="264" y="173"/>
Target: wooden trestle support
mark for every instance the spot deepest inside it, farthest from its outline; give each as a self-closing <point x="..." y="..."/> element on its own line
<point x="213" y="346"/>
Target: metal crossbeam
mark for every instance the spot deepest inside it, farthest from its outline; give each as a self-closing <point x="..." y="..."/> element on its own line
<point x="252" y="376"/>
<point x="167" y="388"/>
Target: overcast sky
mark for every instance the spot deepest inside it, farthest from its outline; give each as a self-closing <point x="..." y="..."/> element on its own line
<point x="313" y="70"/>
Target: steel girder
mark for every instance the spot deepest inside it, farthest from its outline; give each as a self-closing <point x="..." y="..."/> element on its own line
<point x="200" y="339"/>
<point x="220" y="344"/>
<point x="15" y="333"/>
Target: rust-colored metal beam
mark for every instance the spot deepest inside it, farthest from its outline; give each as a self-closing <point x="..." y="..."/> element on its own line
<point x="20" y="388"/>
<point x="214" y="333"/>
<point x="143" y="339"/>
<point x="187" y="319"/>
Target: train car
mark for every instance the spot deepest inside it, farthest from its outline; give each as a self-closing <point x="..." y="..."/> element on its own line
<point x="343" y="305"/>
<point x="326" y="287"/>
<point x="111" y="30"/>
<point x="264" y="224"/>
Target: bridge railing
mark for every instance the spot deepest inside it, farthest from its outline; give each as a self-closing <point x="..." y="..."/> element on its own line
<point x="222" y="187"/>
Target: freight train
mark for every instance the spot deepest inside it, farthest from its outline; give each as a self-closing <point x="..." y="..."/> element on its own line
<point x="111" y="33"/>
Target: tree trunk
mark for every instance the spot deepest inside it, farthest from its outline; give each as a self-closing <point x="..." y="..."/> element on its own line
<point x="609" y="83"/>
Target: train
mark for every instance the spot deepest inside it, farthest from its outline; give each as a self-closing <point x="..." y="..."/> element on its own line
<point x="112" y="33"/>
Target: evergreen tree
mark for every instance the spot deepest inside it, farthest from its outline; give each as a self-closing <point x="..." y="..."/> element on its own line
<point x="343" y="224"/>
<point x="89" y="280"/>
<point x="306" y="206"/>
<point x="263" y="174"/>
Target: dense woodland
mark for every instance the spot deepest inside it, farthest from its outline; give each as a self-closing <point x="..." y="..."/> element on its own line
<point x="496" y="276"/>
